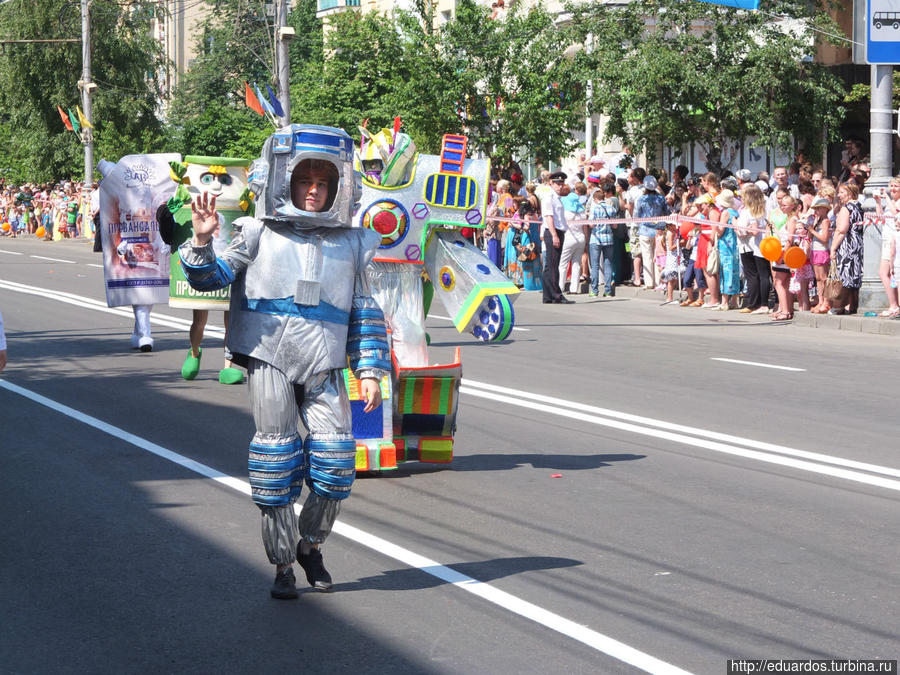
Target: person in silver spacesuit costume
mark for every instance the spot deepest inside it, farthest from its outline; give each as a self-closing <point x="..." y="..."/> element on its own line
<point x="300" y="306"/>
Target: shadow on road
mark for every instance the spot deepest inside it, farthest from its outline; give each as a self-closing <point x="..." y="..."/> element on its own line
<point x="500" y="462"/>
<point x="486" y="570"/>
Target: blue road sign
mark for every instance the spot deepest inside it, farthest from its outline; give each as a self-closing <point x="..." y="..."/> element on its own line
<point x="883" y="31"/>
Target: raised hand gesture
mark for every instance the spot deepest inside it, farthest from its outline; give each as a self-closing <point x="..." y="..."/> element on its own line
<point x="204" y="218"/>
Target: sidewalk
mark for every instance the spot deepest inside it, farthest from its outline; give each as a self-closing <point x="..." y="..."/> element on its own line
<point x="857" y="324"/>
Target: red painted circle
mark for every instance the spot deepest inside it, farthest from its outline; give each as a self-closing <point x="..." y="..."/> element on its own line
<point x="384" y="223"/>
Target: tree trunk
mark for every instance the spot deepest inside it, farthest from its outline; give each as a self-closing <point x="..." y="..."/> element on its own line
<point x="714" y="159"/>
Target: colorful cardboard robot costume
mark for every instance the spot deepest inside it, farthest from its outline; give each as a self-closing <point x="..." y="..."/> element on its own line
<point x="418" y="203"/>
<point x="300" y="305"/>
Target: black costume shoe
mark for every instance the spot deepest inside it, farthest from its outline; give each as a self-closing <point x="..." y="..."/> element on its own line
<point x="565" y="301"/>
<point x="285" y="585"/>
<point x="316" y="574"/>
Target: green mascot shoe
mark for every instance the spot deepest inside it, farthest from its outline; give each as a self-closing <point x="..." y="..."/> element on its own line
<point x="231" y="376"/>
<point x="191" y="365"/>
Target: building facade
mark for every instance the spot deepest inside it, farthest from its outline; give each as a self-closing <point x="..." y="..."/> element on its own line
<point x="175" y="25"/>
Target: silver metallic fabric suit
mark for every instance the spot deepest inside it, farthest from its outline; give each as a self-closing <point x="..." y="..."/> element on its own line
<point x="300" y="306"/>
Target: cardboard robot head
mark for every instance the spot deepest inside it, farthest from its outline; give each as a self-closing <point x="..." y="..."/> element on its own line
<point x="385" y="158"/>
<point x="287" y="151"/>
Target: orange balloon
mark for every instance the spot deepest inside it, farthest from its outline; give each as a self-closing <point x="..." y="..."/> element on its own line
<point x="795" y="257"/>
<point x="40" y="232"/>
<point x="770" y="247"/>
<point x="5" y="227"/>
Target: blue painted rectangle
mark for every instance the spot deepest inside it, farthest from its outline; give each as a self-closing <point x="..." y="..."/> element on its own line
<point x="366" y="424"/>
<point x="451" y="190"/>
<point x="882" y="32"/>
<point x="343" y="146"/>
<point x="318" y="139"/>
<point x="436" y="183"/>
<point x="317" y="148"/>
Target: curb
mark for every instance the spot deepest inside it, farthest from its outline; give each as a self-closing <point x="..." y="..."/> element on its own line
<point x="857" y="324"/>
<point x="872" y="325"/>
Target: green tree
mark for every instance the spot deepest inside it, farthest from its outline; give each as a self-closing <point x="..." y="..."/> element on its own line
<point x="35" y="78"/>
<point x="669" y="71"/>
<point x="377" y="68"/>
<point x="518" y="91"/>
<point x="208" y="114"/>
<point x="359" y="77"/>
<point x="505" y="84"/>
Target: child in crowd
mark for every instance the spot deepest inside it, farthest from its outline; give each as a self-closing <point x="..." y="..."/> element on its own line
<point x="820" y="236"/>
<point x="659" y="258"/>
<point x="671" y="268"/>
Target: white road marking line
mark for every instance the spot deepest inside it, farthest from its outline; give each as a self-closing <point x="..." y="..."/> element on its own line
<point x="593" y="414"/>
<point x="760" y="365"/>
<point x="646" y="430"/>
<point x="696" y="431"/>
<point x="447" y="318"/>
<point x="598" y="641"/>
<point x="100" y="306"/>
<point x="10" y="252"/>
<point x="40" y="257"/>
<point x="591" y="638"/>
<point x="94" y="265"/>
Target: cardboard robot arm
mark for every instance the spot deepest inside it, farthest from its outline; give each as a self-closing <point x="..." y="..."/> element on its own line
<point x="476" y="294"/>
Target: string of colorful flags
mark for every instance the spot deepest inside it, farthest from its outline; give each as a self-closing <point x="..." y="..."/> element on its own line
<point x="269" y="107"/>
<point x="74" y="122"/>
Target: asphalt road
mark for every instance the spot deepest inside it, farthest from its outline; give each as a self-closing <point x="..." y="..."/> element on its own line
<point x="620" y="499"/>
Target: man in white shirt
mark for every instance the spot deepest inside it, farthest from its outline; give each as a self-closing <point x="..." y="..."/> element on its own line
<point x="553" y="233"/>
<point x="635" y="190"/>
<point x="780" y="180"/>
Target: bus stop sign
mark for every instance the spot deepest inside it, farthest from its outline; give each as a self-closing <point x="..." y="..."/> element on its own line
<point x="883" y="31"/>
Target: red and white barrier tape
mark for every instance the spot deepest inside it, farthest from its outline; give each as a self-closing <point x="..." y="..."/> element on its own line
<point x="868" y="219"/>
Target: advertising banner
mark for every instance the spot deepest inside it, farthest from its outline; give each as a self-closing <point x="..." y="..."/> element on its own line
<point x="135" y="258"/>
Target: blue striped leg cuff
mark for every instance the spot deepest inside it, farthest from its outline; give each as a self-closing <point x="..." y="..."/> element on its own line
<point x="276" y="472"/>
<point x="332" y="467"/>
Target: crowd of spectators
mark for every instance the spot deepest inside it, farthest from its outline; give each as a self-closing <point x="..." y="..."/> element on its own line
<point x="534" y="232"/>
<point x="717" y="263"/>
<point x="53" y="211"/>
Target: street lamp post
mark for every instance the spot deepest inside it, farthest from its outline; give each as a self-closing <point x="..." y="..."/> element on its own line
<point x="283" y="35"/>
<point x="87" y="87"/>
<point x="871" y="294"/>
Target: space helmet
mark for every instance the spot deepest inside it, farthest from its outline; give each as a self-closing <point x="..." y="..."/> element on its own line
<point x="302" y="144"/>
